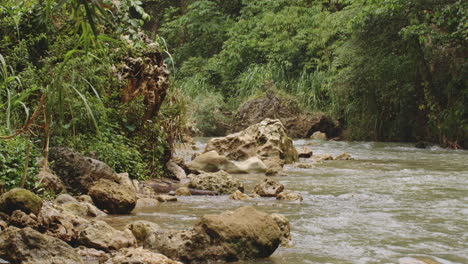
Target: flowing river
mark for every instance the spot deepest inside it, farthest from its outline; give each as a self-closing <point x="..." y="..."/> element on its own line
<point x="392" y="204"/>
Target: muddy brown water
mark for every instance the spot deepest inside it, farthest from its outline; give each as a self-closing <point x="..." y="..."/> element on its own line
<point x="392" y="204"/>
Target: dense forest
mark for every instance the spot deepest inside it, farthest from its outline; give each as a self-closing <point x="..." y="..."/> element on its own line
<point x="123" y="80"/>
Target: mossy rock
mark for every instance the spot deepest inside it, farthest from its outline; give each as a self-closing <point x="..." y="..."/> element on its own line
<point x="20" y="199"/>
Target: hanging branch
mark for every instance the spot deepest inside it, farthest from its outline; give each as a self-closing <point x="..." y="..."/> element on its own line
<point x="30" y="121"/>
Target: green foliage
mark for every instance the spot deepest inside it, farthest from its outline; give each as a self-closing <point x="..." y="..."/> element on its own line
<point x="13" y="159"/>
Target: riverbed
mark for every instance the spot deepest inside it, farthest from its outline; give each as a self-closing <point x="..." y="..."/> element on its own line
<point x="393" y="204"/>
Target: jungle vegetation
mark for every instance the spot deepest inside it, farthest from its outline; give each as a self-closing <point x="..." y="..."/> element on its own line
<point x="389" y="70"/>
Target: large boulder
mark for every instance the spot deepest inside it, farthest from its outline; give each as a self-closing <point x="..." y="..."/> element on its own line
<point x="267" y="140"/>
<point x="298" y="123"/>
<point x="20" y="199"/>
<point x="29" y="246"/>
<point x="139" y="255"/>
<point x="100" y="235"/>
<point x="241" y="234"/>
<point x="78" y="172"/>
<point x="234" y="235"/>
<point x="211" y="161"/>
<point x="268" y="188"/>
<point x="113" y="197"/>
<point x="220" y="182"/>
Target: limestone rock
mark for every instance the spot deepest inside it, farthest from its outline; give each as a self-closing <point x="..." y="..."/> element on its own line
<point x="211" y="161"/>
<point x="183" y="191"/>
<point x="85" y="198"/>
<point x="146" y="202"/>
<point x="100" y="235"/>
<point x="78" y="172"/>
<point x="268" y="188"/>
<point x="20" y="219"/>
<point x="144" y="232"/>
<point x="60" y="224"/>
<point x="220" y="182"/>
<point x="319" y="136"/>
<point x="65" y="198"/>
<point x="113" y="197"/>
<point x="238" y="195"/>
<point x="285" y="228"/>
<point x="303" y="165"/>
<point x="289" y="196"/>
<point x="92" y="255"/>
<point x="20" y="199"/>
<point x="252" y="165"/>
<point x="344" y="156"/>
<point x="139" y="255"/>
<point x="176" y="170"/>
<point x="266" y="139"/>
<point x="50" y="181"/>
<point x="29" y="246"/>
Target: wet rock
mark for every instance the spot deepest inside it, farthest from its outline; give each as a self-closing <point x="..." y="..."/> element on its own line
<point x="267" y="139"/>
<point x="50" y="181"/>
<point x="322" y="157"/>
<point x="241" y="234"/>
<point x="146" y="202"/>
<point x="421" y="144"/>
<point x="20" y="199"/>
<point x="100" y="235"/>
<point x="268" y="188"/>
<point x="252" y="165"/>
<point x="78" y="172"/>
<point x="344" y="156"/>
<point x="113" y="197"/>
<point x="211" y="161"/>
<point x="65" y="198"/>
<point x="176" y="170"/>
<point x="20" y="219"/>
<point x="305" y="153"/>
<point x="139" y="255"/>
<point x="303" y="165"/>
<point x="274" y="165"/>
<point x="29" y="246"/>
<point x="166" y="198"/>
<point x="220" y="182"/>
<point x="92" y="255"/>
<point x="289" y="196"/>
<point x="183" y="191"/>
<point x="319" y="136"/>
<point x="238" y="195"/>
<point x="144" y="232"/>
<point x="285" y="227"/>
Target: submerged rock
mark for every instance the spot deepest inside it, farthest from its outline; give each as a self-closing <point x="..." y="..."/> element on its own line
<point x="267" y="139"/>
<point x="20" y="199"/>
<point x="289" y="196"/>
<point x="344" y="156"/>
<point x="268" y="188"/>
<point x="238" y="195"/>
<point x="305" y="153"/>
<point x="183" y="191"/>
<point x="113" y="197"/>
<point x="100" y="235"/>
<point x="29" y="246"/>
<point x="303" y="165"/>
<point x="322" y="157"/>
<point x="220" y="182"/>
<point x="166" y="198"/>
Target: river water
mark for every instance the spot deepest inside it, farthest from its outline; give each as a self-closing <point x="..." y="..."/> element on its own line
<point x="392" y="204"/>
